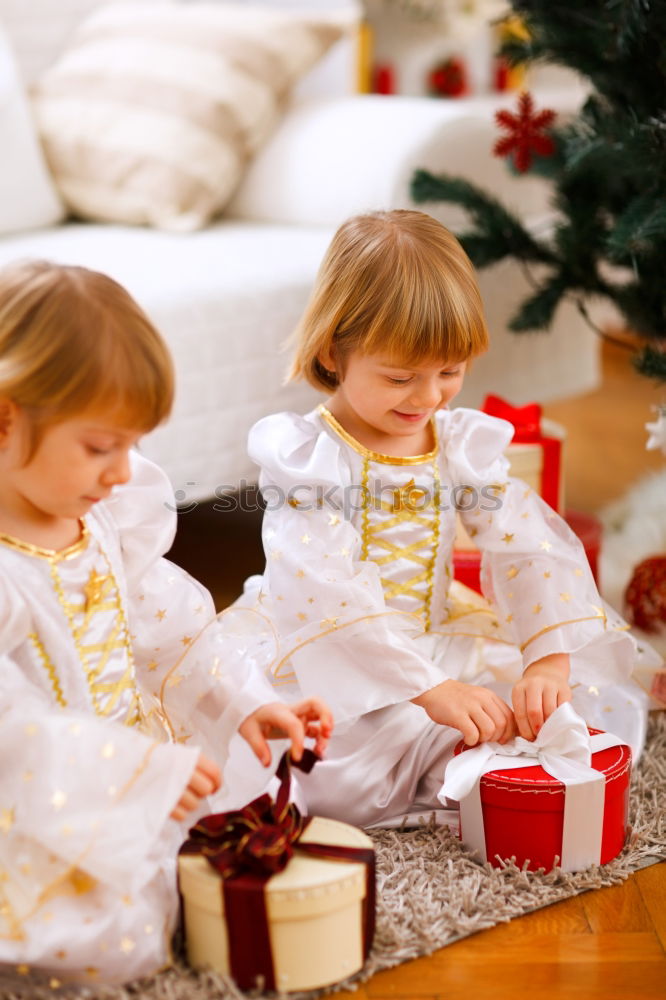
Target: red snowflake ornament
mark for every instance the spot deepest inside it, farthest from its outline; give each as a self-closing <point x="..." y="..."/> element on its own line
<point x="526" y="133"/>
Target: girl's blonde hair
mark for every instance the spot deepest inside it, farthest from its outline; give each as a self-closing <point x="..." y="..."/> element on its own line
<point x="73" y="340"/>
<point x="396" y="282"/>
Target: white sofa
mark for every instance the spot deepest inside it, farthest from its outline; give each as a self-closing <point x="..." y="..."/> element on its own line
<point x="227" y="297"/>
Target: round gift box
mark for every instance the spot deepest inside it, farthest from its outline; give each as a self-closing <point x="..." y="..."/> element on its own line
<point x="314" y="907"/>
<point x="523" y="810"/>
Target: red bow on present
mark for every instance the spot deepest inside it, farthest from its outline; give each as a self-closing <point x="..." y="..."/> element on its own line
<point x="246" y="847"/>
<point x="525" y="419"/>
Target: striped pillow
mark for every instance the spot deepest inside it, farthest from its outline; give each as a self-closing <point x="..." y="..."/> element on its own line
<point x="151" y="114"/>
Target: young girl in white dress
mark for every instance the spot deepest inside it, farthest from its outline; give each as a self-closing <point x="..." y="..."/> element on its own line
<point x="359" y="530"/>
<point x="117" y="704"/>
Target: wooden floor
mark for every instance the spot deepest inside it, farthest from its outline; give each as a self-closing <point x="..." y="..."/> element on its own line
<point x="609" y="944"/>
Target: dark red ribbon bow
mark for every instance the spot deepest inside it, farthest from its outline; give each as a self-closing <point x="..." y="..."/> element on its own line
<point x="525" y="419"/>
<point x="249" y="845"/>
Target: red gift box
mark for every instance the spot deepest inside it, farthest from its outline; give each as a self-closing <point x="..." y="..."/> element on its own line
<point x="523" y="810"/>
<point x="530" y="430"/>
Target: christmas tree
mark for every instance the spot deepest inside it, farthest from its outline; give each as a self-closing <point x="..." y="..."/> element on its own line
<point x="607" y="166"/>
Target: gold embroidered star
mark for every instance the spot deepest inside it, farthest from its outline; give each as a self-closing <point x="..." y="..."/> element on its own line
<point x="186" y="640"/>
<point x="58" y="799"/>
<point x="546" y="546"/>
<point x="328" y="621"/>
<point x="526" y="494"/>
<point x="149" y="929"/>
<point x="61" y="953"/>
<point x="108" y="750"/>
<point x="175" y="680"/>
<point x="301" y="617"/>
<point x="161" y="614"/>
<point x="512" y="572"/>
<point x="30" y="729"/>
<point x="306" y="539"/>
<point x="127" y="945"/>
<point x="28" y="775"/>
<point x="547" y="574"/>
<point x="94" y="589"/>
<point x="74" y="729"/>
<point x="333" y="519"/>
<point x="537" y="608"/>
<point x="509" y="618"/>
<point x="472" y="531"/>
<point x="592" y="689"/>
<point x="311" y="600"/>
<point x="91" y="971"/>
<point x="578" y="572"/>
<point x="344" y="552"/>
<point x="152" y="665"/>
<point x="565" y="597"/>
<point x="525" y="515"/>
<point x="300" y="573"/>
<point x="127" y="900"/>
<point x="199" y="610"/>
<point x="6" y="820"/>
<point x="343" y="604"/>
<point x="408" y="497"/>
<point x="507" y="538"/>
<point x="276" y="554"/>
<point x="293" y="502"/>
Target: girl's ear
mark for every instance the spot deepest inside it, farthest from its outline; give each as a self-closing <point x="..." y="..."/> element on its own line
<point x="8" y="414"/>
<point x="326" y="359"/>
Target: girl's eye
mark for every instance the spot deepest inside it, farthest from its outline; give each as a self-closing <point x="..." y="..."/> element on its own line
<point x="398" y="381"/>
<point x="451" y="374"/>
<point x="92" y="450"/>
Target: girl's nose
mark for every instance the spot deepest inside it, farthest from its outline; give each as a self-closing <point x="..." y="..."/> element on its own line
<point x="427" y="393"/>
<point x="117" y="471"/>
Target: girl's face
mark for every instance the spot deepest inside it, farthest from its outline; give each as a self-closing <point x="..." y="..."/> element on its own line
<point x="380" y="399"/>
<point x="77" y="463"/>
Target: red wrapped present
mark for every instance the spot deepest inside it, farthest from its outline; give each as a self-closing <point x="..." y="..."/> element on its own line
<point x="535" y="452"/>
<point x="276" y="899"/>
<point x="564" y="796"/>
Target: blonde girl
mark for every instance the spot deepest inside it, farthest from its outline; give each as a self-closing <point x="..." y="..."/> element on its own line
<point x="361" y="498"/>
<point x="116" y="708"/>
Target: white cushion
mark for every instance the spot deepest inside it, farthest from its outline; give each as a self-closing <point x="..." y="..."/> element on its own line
<point x="153" y="111"/>
<point x="27" y="195"/>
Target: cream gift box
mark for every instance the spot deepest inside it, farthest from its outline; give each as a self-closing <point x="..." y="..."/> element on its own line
<point x="300" y="928"/>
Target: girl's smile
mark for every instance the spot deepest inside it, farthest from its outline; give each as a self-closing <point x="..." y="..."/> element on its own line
<point x="388" y="406"/>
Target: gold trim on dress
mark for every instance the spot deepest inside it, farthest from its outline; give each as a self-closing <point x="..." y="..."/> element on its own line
<point x="375" y="456"/>
<point x="53" y="555"/>
<point x="570" y="621"/>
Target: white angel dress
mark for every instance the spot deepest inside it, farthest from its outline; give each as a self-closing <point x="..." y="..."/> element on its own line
<point x="106" y="699"/>
<point x="359" y="606"/>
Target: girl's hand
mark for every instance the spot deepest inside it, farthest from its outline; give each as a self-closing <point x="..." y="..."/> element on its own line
<point x="205" y="780"/>
<point x="477" y="712"/>
<point x="543" y="686"/>
<point x="310" y="717"/>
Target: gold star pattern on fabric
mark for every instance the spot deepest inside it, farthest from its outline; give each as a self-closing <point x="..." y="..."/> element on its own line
<point x="311" y="600"/>
<point x="333" y="519"/>
<point x="58" y="799"/>
<point x="344" y="552"/>
<point x="578" y="571"/>
<point x="127" y="945"/>
<point x="547" y="574"/>
<point x="565" y="597"/>
<point x="96" y="589"/>
<point x="306" y="539"/>
<point x="328" y="622"/>
<point x="302" y="617"/>
<point x="152" y="665"/>
<point x="512" y="572"/>
<point x="408" y="497"/>
<point x="6" y="820"/>
<point x="300" y="573"/>
<point x="545" y="545"/>
<point x="276" y="554"/>
<point x="293" y="502"/>
<point x="509" y="618"/>
<point x="508" y="537"/>
<point x="593" y="690"/>
<point x="108" y="751"/>
<point x="160" y="614"/>
<point x="537" y="609"/>
<point x="186" y="640"/>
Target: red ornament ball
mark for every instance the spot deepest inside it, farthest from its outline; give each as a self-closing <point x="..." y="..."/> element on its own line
<point x="645" y="596"/>
<point x="448" y="78"/>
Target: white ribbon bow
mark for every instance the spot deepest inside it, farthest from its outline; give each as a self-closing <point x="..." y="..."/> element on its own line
<point x="563" y="748"/>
